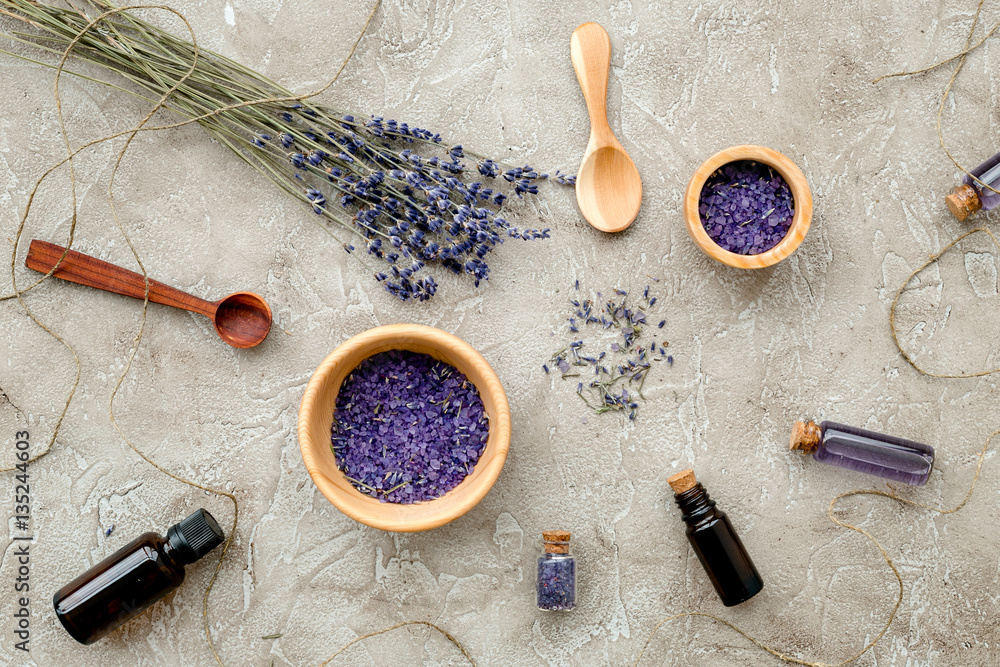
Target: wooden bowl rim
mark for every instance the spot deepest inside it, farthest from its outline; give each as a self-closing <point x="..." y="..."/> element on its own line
<point x="417" y="516"/>
<point x="801" y="195"/>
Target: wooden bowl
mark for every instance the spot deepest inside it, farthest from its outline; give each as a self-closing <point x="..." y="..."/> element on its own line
<point x="800" y="194"/>
<point x="316" y="419"/>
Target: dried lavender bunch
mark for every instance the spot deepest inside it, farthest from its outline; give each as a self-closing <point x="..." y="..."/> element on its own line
<point x="619" y="371"/>
<point x="411" y="200"/>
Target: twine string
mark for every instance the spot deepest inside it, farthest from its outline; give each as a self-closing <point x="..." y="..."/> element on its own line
<point x="961" y="56"/>
<point x="902" y="288"/>
<point x="383" y="631"/>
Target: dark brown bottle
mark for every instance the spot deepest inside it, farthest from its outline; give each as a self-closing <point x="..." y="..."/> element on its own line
<point x="125" y="583"/>
<point x="716" y="544"/>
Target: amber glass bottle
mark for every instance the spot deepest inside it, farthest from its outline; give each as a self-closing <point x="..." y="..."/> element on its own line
<point x="715" y="542"/>
<point x="125" y="583"/>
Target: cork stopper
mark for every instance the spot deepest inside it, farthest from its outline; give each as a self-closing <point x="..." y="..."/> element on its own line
<point x="963" y="201"/>
<point x="556" y="541"/>
<point x="682" y="481"/>
<point x="805" y="436"/>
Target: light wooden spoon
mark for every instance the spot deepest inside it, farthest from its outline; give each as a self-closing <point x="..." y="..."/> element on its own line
<point x="608" y="188"/>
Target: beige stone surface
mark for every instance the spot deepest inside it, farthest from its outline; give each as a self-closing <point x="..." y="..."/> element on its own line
<point x="754" y="351"/>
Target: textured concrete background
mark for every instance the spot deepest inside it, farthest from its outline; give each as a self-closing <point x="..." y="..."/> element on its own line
<point x="754" y="350"/>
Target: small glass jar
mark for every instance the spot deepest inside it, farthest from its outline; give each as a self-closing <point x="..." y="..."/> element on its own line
<point x="556" y="573"/>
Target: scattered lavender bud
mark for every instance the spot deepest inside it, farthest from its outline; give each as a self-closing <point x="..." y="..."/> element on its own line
<point x="407" y="428"/>
<point x="615" y="374"/>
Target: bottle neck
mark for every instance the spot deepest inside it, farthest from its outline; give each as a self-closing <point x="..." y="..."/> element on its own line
<point x="177" y="549"/>
<point x="171" y="554"/>
<point x="694" y="504"/>
<point x="556" y="547"/>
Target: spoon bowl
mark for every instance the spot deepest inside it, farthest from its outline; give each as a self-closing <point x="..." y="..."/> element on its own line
<point x="608" y="189"/>
<point x="243" y="319"/>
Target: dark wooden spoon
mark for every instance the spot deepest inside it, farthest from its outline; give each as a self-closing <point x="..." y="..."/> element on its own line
<point x="242" y="319"/>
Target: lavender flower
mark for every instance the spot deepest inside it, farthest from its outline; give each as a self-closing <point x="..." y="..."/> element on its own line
<point x="396" y="185"/>
<point x="746" y="207"/>
<point x="623" y="364"/>
<point x="407" y="427"/>
<point x="417" y="202"/>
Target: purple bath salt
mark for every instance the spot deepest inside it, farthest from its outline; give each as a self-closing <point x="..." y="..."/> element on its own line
<point x="407" y="427"/>
<point x="746" y="207"/>
<point x="556" y="589"/>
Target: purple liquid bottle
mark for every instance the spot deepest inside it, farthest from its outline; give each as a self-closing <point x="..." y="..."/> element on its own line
<point x="971" y="195"/>
<point x="873" y="453"/>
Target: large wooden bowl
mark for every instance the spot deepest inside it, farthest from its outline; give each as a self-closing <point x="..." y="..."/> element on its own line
<point x="800" y="194"/>
<point x="316" y="419"/>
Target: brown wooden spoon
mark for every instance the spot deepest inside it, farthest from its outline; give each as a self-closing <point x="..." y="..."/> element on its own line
<point x="242" y="319"/>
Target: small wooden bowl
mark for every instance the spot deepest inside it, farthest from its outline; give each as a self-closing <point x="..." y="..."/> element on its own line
<point x="800" y="194"/>
<point x="316" y="419"/>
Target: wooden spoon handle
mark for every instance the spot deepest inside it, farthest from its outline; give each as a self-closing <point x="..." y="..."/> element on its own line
<point x="590" y="49"/>
<point x="86" y="270"/>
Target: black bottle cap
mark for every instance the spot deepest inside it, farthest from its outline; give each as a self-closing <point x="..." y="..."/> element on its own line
<point x="195" y="536"/>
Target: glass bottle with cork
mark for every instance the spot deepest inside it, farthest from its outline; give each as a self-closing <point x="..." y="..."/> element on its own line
<point x="715" y="541"/>
<point x="556" y="586"/>
<point x="865" y="451"/>
<point x="125" y="583"/>
<point x="977" y="191"/>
